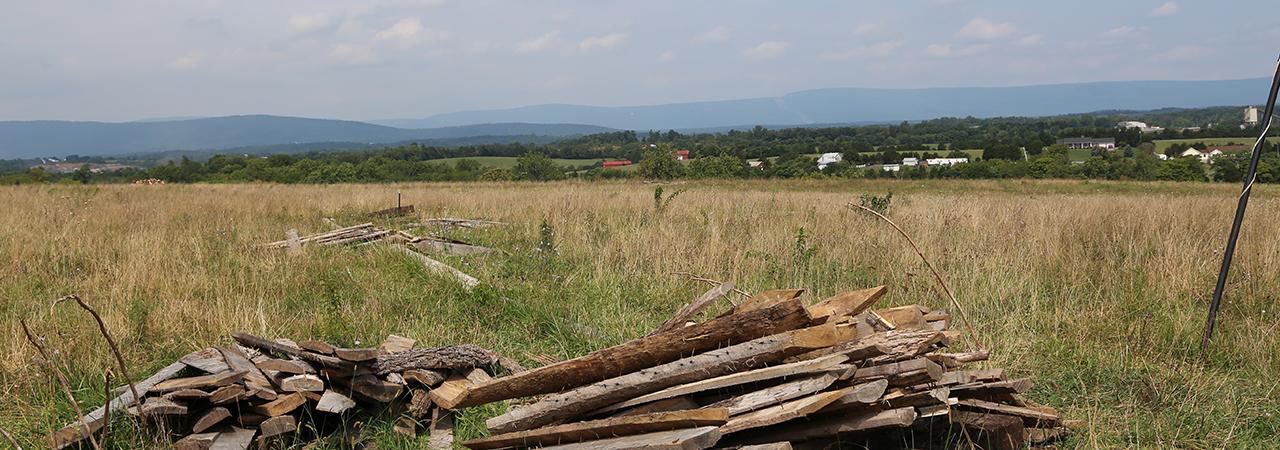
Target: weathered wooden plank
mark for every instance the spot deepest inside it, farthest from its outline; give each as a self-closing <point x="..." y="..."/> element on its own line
<point x="300" y="383"/>
<point x="723" y="361"/>
<point x="356" y="354"/>
<point x="641" y="353"/>
<point x="320" y="347"/>
<point x="686" y="439"/>
<point x="333" y="402"/>
<point x="294" y="367"/>
<point x="447" y="393"/>
<point x="594" y="429"/>
<point x="94" y="420"/>
<point x="441" y="430"/>
<point x="252" y="341"/>
<point x="228" y="394"/>
<point x="395" y="343"/>
<point x="187" y="395"/>
<point x="468" y="282"/>
<point x="767" y="298"/>
<point x="200" y="382"/>
<point x="688" y="311"/>
<point x="280" y="406"/>
<point x="210" y="418"/>
<point x="981" y="389"/>
<point x="734" y="379"/>
<point x="784" y="412"/>
<point x="670" y="404"/>
<point x="254" y="379"/>
<point x="935" y="396"/>
<point x="991" y="431"/>
<point x="903" y="317"/>
<point x="1033" y="417"/>
<point x="830" y="426"/>
<point x="199" y="441"/>
<point x="862" y="395"/>
<point x="846" y="304"/>
<point x="278" y="425"/>
<point x="208" y="360"/>
<point x="775" y="394"/>
<point x="236" y="439"/>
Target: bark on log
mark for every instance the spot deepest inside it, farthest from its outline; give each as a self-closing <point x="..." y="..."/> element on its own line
<point x="456" y="357"/>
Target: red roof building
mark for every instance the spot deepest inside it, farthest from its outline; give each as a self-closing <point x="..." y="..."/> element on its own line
<point x="608" y="164"/>
<point x="682" y="155"/>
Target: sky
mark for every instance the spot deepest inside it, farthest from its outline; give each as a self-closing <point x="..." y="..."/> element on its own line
<point x="133" y="59"/>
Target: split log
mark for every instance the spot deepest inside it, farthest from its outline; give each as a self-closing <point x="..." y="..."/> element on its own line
<point x="300" y="383"/>
<point x="393" y="344"/>
<point x="784" y="412"/>
<point x="375" y="389"/>
<point x="199" y="441"/>
<point x="692" y="309"/>
<point x="425" y="377"/>
<point x="320" y="347"/>
<point x="280" y="406"/>
<point x="94" y="420"/>
<point x="619" y="426"/>
<point x="641" y="353"/>
<point x="686" y="439"/>
<point x="252" y="341"/>
<point x="210" y="418"/>
<point x="775" y="394"/>
<point x="468" y="281"/>
<point x="455" y="357"/>
<point x="209" y="360"/>
<point x="419" y="403"/>
<point x="296" y="367"/>
<point x="452" y="388"/>
<point x="278" y="425"/>
<point x="993" y="431"/>
<point x="846" y="304"/>
<point x="727" y="360"/>
<point x="862" y="395"/>
<point x="356" y="354"/>
<point x="228" y="394"/>
<point x="200" y="382"/>
<point x="333" y="402"/>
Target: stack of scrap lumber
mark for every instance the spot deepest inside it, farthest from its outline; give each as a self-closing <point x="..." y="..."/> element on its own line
<point x="260" y="392"/>
<point x="453" y="222"/>
<point x="351" y="235"/>
<point x="769" y="372"/>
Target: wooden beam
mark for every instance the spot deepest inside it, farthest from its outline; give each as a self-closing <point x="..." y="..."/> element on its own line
<point x="640" y="353"/>
<point x="723" y="361"/>
<point x="594" y="429"/>
<point x="686" y="439"/>
<point x="846" y="304"/>
<point x="249" y="340"/>
<point x="773" y="395"/>
<point x="831" y="426"/>
<point x="767" y="298"/>
<point x="208" y="360"/>
<point x="777" y="414"/>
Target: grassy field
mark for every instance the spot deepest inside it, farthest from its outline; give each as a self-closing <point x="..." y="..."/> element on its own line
<point x="1095" y="289"/>
<point x="507" y="162"/>
<point x="1163" y="144"/>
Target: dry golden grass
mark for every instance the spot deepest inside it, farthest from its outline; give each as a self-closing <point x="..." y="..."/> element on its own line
<point x="1097" y="290"/>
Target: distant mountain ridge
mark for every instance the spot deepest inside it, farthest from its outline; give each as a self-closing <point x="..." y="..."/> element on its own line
<point x="855" y="105"/>
<point x="24" y="139"/>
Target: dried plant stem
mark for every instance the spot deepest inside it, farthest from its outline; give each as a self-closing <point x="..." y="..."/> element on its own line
<point x="124" y="370"/>
<point x="710" y="281"/>
<point x="964" y="317"/>
<point x="62" y="380"/>
<point x="9" y="437"/>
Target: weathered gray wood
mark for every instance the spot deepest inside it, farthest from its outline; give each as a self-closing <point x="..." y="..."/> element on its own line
<point x="236" y="439"/>
<point x="200" y="382"/>
<point x="469" y="282"/>
<point x="278" y="425"/>
<point x="775" y="394"/>
<point x="862" y="395"/>
<point x="594" y="429"/>
<point x="253" y="377"/>
<point x="640" y="353"/>
<point x="686" y="439"/>
<point x="300" y="383"/>
<point x="783" y="412"/>
<point x="208" y="360"/>
<point x="199" y="441"/>
<point x="210" y="418"/>
<point x="727" y="360"/>
<point x="451" y="247"/>
<point x="333" y="402"/>
<point x="393" y="344"/>
<point x="830" y="426"/>
<point x="441" y="430"/>
<point x="94" y="420"/>
<point x="692" y="309"/>
<point x="252" y="341"/>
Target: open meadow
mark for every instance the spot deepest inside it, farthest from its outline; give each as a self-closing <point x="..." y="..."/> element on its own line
<point x="1097" y="290"/>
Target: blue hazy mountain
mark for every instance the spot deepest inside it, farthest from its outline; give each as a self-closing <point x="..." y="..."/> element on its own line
<point x="25" y="139"/>
<point x="862" y="105"/>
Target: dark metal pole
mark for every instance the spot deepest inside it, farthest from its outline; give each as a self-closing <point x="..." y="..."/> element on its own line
<point x="1240" y="206"/>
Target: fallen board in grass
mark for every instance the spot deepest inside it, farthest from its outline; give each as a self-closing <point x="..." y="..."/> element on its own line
<point x="827" y="427"/>
<point x="773" y="395"/>
<point x="846" y="304"/>
<point x="744" y="356"/>
<point x="776" y="414"/>
<point x="734" y="379"/>
<point x="686" y="439"/>
<point x="94" y="420"/>
<point x="618" y="426"/>
<point x="640" y="353"/>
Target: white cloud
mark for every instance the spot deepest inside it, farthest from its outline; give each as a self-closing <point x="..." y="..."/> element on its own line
<point x="717" y="34"/>
<point x="667" y="56"/>
<point x="409" y="31"/>
<point x="879" y="49"/>
<point x="1167" y="9"/>
<point x="312" y="23"/>
<point x="1031" y="40"/>
<point x="938" y="49"/>
<point x="947" y="50"/>
<point x="866" y="29"/>
<point x="607" y="41"/>
<point x="981" y="28"/>
<point x="537" y="44"/>
<point x="1182" y="53"/>
<point x="187" y="62"/>
<point x="1121" y="31"/>
<point x="353" y="54"/>
<point x="766" y="50"/>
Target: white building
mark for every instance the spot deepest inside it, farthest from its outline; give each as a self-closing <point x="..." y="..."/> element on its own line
<point x="891" y="168"/>
<point x="828" y="159"/>
<point x="1141" y="126"/>
<point x="911" y="162"/>
<point x="940" y="162"/>
<point x="1086" y="142"/>
<point x="1251" y="116"/>
<point x="1204" y="156"/>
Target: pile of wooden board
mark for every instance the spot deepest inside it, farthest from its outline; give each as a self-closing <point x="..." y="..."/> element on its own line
<point x="772" y="372"/>
<point x="351" y="235"/>
<point x="261" y="391"/>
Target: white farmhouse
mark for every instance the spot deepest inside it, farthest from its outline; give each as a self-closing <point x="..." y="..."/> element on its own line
<point x="828" y="159"/>
<point x="945" y="161"/>
<point x="891" y="168"/>
<point x="1204" y="156"/>
<point x="911" y="162"/>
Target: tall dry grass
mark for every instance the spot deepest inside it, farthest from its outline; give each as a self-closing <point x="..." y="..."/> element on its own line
<point x="1097" y="290"/>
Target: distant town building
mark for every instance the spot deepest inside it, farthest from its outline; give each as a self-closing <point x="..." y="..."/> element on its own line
<point x="610" y="164"/>
<point x="828" y="159"/>
<point x="1141" y="126"/>
<point x="1205" y="155"/>
<point x="1251" y="115"/>
<point x="890" y="167"/>
<point x="1088" y="142"/>
<point x="911" y="162"/>
<point x="755" y="164"/>
<point x="682" y="155"/>
<point x="943" y="162"/>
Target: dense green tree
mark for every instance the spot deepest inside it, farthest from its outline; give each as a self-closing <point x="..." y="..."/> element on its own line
<point x="659" y="163"/>
<point x="537" y="166"/>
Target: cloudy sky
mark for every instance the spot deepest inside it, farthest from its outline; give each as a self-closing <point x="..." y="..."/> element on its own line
<point x="130" y="59"/>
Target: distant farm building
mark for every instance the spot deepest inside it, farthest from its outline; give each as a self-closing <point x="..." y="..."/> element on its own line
<point x="1088" y="142"/>
<point x="941" y="162"/>
<point x="912" y="162"/>
<point x="611" y="164"/>
<point x="1251" y="116"/>
<point x="891" y="167"/>
<point x="828" y="159"/>
<point x="682" y="155"/>
<point x="1205" y="155"/>
<point x="1141" y="126"/>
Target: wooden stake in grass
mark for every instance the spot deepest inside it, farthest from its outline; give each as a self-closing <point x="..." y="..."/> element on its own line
<point x="947" y="289"/>
<point x="62" y="380"/>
